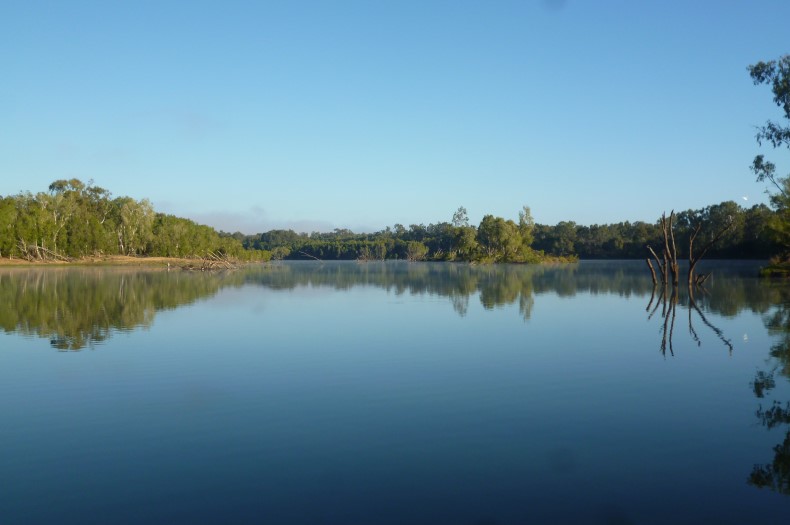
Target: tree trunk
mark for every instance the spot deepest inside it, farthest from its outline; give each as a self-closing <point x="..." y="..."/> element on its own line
<point x="694" y="260"/>
<point x="652" y="271"/>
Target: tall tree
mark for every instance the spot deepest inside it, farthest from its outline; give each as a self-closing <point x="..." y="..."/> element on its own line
<point x="526" y="225"/>
<point x="460" y="217"/>
<point x="133" y="223"/>
<point x="8" y="218"/>
<point x="775" y="73"/>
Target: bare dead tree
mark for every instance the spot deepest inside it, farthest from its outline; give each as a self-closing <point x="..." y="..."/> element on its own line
<point x="670" y="249"/>
<point x="693" y="260"/>
<point x="212" y="261"/>
<point x="33" y="252"/>
<point x="668" y="264"/>
<point x="661" y="267"/>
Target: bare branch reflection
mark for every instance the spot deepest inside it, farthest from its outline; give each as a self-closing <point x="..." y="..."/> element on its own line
<point x="668" y="301"/>
<point x="75" y="308"/>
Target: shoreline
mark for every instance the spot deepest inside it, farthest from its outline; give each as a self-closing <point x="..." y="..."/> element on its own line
<point x="109" y="260"/>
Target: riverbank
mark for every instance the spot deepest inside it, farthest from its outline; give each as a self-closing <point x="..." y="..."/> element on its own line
<point x="110" y="260"/>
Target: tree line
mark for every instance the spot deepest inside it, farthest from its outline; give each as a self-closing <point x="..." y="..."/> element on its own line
<point x="495" y="239"/>
<point x="758" y="232"/>
<point x="75" y="219"/>
<point x="751" y="235"/>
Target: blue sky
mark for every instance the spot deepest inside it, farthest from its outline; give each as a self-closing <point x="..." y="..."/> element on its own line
<point x="362" y="114"/>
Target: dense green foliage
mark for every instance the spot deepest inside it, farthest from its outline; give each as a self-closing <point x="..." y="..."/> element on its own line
<point x="499" y="240"/>
<point x="775" y="73"/>
<point x="748" y="238"/>
<point x="494" y="240"/>
<point x="776" y="474"/>
<point x="74" y="219"/>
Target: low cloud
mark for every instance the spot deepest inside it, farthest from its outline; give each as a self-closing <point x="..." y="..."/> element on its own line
<point x="255" y="220"/>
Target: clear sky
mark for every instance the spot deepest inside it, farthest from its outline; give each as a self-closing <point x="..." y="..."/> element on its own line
<point x="314" y="115"/>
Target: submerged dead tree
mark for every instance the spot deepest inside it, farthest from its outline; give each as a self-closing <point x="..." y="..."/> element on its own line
<point x="670" y="249"/>
<point x="668" y="263"/>
<point x="693" y="260"/>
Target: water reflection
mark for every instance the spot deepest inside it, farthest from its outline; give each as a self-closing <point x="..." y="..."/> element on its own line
<point x="728" y="300"/>
<point x="509" y="413"/>
<point x="776" y="474"/>
<point x="668" y="301"/>
<point x="500" y="285"/>
<point x="80" y="307"/>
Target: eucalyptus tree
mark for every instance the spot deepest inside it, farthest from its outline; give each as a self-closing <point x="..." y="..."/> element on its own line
<point x="33" y="224"/>
<point x="775" y="73"/>
<point x="526" y="226"/>
<point x="465" y="242"/>
<point x="169" y="237"/>
<point x="460" y="218"/>
<point x="62" y="203"/>
<point x="133" y="222"/>
<point x="440" y="240"/>
<point x="8" y="220"/>
<point x="499" y="238"/>
<point x="416" y="251"/>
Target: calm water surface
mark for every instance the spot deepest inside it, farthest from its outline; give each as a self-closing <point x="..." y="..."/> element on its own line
<point x="308" y="393"/>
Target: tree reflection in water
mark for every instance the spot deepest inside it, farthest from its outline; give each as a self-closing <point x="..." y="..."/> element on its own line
<point x="776" y="309"/>
<point x="77" y="308"/>
<point x="668" y="301"/>
<point x="83" y="307"/>
<point x="776" y="474"/>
